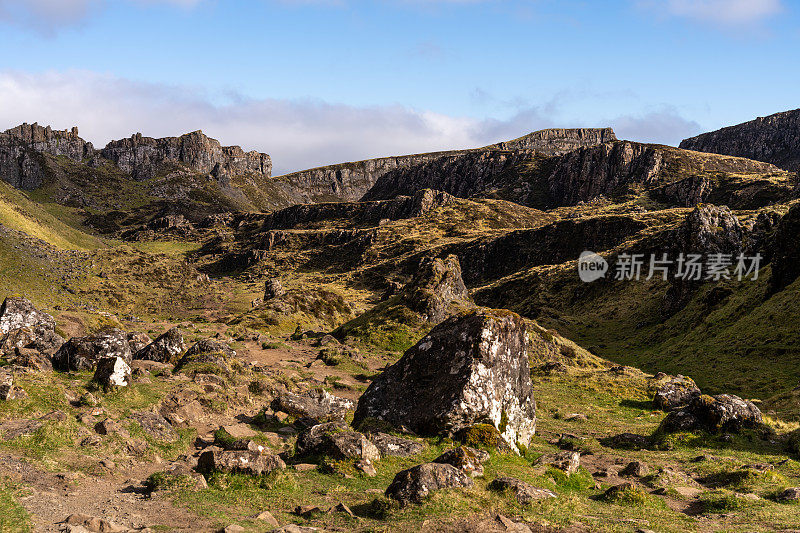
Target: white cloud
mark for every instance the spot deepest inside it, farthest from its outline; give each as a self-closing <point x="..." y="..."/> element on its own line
<point x="297" y="133"/>
<point x="728" y="12"/>
<point x="663" y="125"/>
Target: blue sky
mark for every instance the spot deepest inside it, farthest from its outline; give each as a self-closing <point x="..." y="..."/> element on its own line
<point x="316" y="82"/>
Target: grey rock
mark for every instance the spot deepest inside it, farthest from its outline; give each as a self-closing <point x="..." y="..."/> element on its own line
<point x="112" y="373"/>
<point x="337" y="441"/>
<point x="392" y="445"/>
<point x="716" y="414"/>
<point x="463" y="458"/>
<point x="167" y="348"/>
<point x="83" y="353"/>
<point x="317" y="404"/>
<point x="241" y="461"/>
<point x="524" y="492"/>
<point x="273" y="289"/>
<point x="437" y="289"/>
<point x="479" y="364"/>
<point x="416" y="484"/>
<point x="675" y="392"/>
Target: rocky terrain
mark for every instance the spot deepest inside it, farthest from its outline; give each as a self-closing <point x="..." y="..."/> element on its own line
<point x="772" y="139"/>
<point x="188" y="343"/>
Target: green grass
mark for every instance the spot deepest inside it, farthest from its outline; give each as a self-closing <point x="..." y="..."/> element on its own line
<point x="13" y="517"/>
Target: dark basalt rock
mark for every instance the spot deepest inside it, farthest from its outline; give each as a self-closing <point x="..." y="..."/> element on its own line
<point x="83" y="353"/>
<point x="239" y="461"/>
<point x="437" y="290"/>
<point x="524" y="492"/>
<point x="784" y="250"/>
<point x="317" y="404"/>
<point x="466" y="459"/>
<point x="720" y="413"/>
<point x="138" y="340"/>
<point x="416" y="484"/>
<point x="112" y="372"/>
<point x="470" y="369"/>
<point x="774" y="139"/>
<point x="675" y="393"/>
<point x="167" y="348"/>
<point x="336" y="441"/>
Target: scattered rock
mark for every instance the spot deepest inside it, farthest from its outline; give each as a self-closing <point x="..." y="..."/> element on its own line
<point x="273" y="289"/>
<point x="391" y="445"/>
<point x="207" y="351"/>
<point x="308" y="511"/>
<point x="266" y="516"/>
<point x="568" y="461"/>
<point x="233" y="528"/>
<point x="138" y="340"/>
<point x="244" y="462"/>
<point x="337" y="441"/>
<point x="8" y="391"/>
<point x="525" y="493"/>
<point x="480" y="365"/>
<point x="167" y="348"/>
<point x="317" y="404"/>
<point x="83" y="353"/>
<point x="415" y="484"/>
<point x="437" y="289"/>
<point x="112" y="373"/>
<point x="463" y="458"/>
<point x="635" y="468"/>
<point x="93" y="524"/>
<point x="675" y="393"/>
<point x="366" y="466"/>
<point x="716" y="414"/>
<point x="790" y="495"/>
<point x="156" y="426"/>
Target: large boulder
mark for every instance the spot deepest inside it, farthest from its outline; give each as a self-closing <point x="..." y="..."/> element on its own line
<point x="720" y="413"/>
<point x="416" y="484"/>
<point x="675" y="393"/>
<point x="167" y="348"/>
<point x="83" y="353"/>
<point x="437" y="289"/>
<point x="469" y="370"/>
<point x="317" y="404"/>
<point x="23" y="326"/>
<point x="207" y="351"/>
<point x="336" y="441"/>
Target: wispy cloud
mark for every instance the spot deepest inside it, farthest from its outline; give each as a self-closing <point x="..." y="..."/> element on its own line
<point x="297" y="133"/>
<point x="725" y="12"/>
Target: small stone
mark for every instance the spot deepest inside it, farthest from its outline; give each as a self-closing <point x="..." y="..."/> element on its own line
<point x="308" y="511"/>
<point x="366" y="467"/>
<point x="344" y="509"/>
<point x="790" y="494"/>
<point x="108" y="463"/>
<point x="568" y="461"/>
<point x="233" y="528"/>
<point x="267" y="517"/>
<point x="525" y="493"/>
<point x="635" y="468"/>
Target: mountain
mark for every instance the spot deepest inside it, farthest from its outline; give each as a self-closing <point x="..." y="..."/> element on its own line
<point x="774" y="139"/>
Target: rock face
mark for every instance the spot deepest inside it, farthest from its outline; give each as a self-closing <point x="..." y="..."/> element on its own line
<point x="335" y="440"/>
<point x="675" y="393"/>
<point x="416" y="484"/>
<point x="437" y="289"/>
<point x="784" y="250"/>
<point x="557" y="141"/>
<point x="167" y="348"/>
<point x="145" y="157"/>
<point x="479" y="365"/>
<point x="317" y="404"/>
<point x="774" y="139"/>
<point x="724" y="412"/>
<point x="65" y="143"/>
<point x="112" y="372"/>
<point x="83" y="353"/>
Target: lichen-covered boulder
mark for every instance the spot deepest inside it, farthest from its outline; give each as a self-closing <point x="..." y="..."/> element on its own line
<point x="138" y="340"/>
<point x="675" y="393"/>
<point x="416" y="484"/>
<point x="317" y="404"/>
<point x="167" y="348"/>
<point x="720" y="413"/>
<point x="83" y="353"/>
<point x="208" y="351"/>
<point x="392" y="445"/>
<point x="23" y="326"/>
<point x="336" y="441"/>
<point x="112" y="372"/>
<point x="466" y="459"/>
<point x="437" y="289"/>
<point x="468" y="370"/>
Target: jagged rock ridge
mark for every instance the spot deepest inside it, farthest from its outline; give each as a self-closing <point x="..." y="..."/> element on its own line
<point x="557" y="141"/>
<point x="774" y="139"/>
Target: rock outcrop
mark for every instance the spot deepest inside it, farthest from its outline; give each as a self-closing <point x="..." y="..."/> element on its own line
<point x="146" y="157"/>
<point x="774" y="139"/>
<point x="167" y="348"/>
<point x="557" y="141"/>
<point x="479" y="365"/>
<point x="784" y="250"/>
<point x="437" y="290"/>
<point x="317" y="404"/>
<point x="44" y="139"/>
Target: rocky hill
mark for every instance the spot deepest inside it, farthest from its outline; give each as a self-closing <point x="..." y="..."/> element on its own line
<point x="774" y="139"/>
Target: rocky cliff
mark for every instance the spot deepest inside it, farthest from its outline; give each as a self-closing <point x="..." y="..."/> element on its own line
<point x="774" y="139"/>
<point x="20" y="166"/>
<point x="144" y="157"/>
<point x="556" y="141"/>
<point x="55" y="142"/>
<point x="353" y="181"/>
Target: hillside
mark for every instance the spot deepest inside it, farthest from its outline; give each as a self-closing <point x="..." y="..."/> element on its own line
<point x="400" y="344"/>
